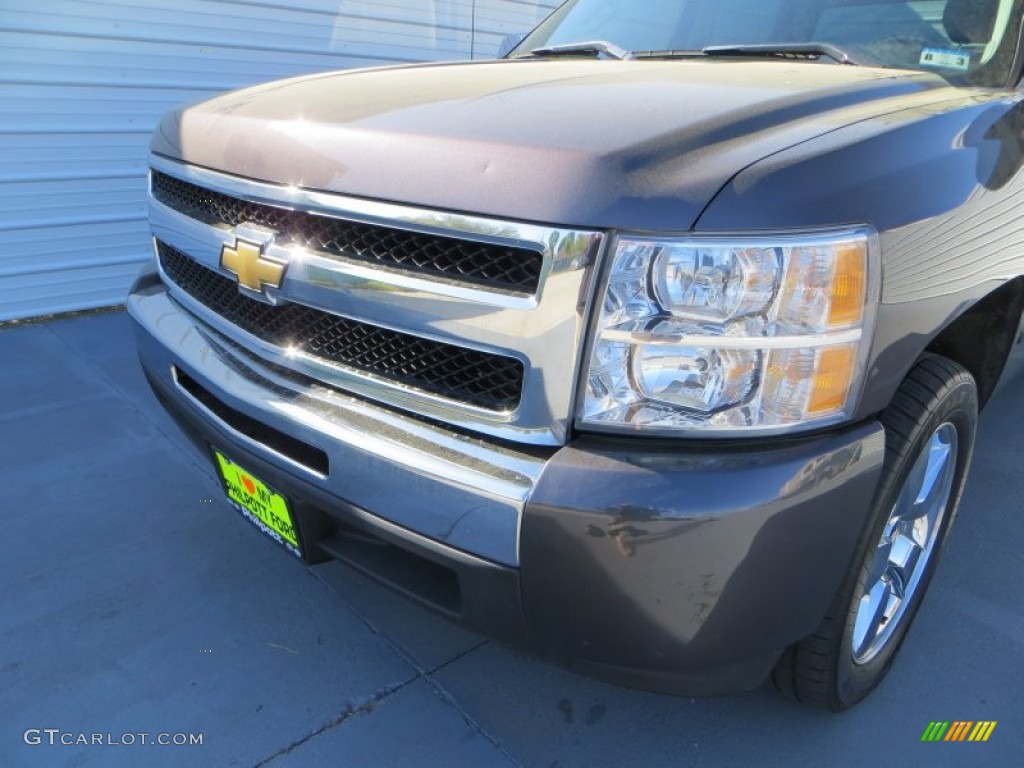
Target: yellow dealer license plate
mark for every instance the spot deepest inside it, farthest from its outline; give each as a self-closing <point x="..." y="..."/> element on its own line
<point x="264" y="508"/>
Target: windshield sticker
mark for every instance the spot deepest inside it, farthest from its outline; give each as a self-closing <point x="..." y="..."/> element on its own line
<point x="938" y="57"/>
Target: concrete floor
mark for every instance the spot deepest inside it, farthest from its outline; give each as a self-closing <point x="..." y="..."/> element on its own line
<point x="136" y="600"/>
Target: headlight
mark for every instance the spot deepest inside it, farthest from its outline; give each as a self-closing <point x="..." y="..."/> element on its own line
<point x="731" y="334"/>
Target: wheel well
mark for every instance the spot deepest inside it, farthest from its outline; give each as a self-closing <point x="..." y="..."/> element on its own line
<point x="981" y="338"/>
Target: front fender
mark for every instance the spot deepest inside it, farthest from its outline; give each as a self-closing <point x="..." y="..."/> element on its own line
<point x="943" y="187"/>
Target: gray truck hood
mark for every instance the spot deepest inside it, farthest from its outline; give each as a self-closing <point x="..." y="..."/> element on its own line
<point x="639" y="145"/>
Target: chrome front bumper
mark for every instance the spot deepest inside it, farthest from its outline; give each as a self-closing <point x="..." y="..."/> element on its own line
<point x="427" y="481"/>
<point x="682" y="568"/>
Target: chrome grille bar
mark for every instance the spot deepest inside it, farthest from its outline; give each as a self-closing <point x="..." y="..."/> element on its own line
<point x="490" y="381"/>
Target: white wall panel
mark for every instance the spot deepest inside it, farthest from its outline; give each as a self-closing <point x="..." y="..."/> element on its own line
<point x="83" y="82"/>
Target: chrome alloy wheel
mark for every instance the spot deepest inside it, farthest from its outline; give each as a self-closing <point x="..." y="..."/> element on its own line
<point x="907" y="545"/>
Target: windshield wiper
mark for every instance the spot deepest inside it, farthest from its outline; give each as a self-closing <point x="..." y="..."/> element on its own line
<point x="594" y="47"/>
<point x="783" y="50"/>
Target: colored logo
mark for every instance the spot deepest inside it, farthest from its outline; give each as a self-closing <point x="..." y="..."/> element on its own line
<point x="254" y="270"/>
<point x="959" y="730"/>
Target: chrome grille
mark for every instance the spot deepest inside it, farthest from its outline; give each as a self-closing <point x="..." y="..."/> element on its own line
<point x="494" y="266"/>
<point x="486" y="380"/>
<point x="470" y="353"/>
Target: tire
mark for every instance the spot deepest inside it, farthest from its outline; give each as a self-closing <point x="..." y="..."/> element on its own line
<point x="929" y="438"/>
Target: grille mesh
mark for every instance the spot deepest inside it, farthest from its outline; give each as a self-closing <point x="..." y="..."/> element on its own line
<point x="494" y="266"/>
<point x="479" y="378"/>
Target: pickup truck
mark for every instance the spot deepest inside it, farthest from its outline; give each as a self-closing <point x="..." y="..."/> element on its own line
<point x="655" y="347"/>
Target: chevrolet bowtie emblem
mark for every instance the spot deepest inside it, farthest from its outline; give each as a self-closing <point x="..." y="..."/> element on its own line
<point x="254" y="270"/>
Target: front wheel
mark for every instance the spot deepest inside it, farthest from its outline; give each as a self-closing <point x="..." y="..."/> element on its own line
<point x="929" y="438"/>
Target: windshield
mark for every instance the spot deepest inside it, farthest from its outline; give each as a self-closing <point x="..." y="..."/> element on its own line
<point x="970" y="41"/>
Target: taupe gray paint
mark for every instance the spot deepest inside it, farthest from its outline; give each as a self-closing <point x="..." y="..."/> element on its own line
<point x="670" y="146"/>
<point x="625" y="145"/>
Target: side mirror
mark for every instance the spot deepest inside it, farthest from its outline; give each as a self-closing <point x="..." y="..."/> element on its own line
<point x="508" y="42"/>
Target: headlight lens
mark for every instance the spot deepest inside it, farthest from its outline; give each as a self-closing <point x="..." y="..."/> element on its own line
<point x="719" y="334"/>
<point x="714" y="284"/>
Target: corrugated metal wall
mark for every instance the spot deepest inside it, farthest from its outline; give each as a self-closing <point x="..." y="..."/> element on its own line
<point x="82" y="84"/>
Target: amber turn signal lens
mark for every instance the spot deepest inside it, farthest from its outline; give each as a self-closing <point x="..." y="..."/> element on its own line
<point x="849" y="285"/>
<point x="832" y="378"/>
